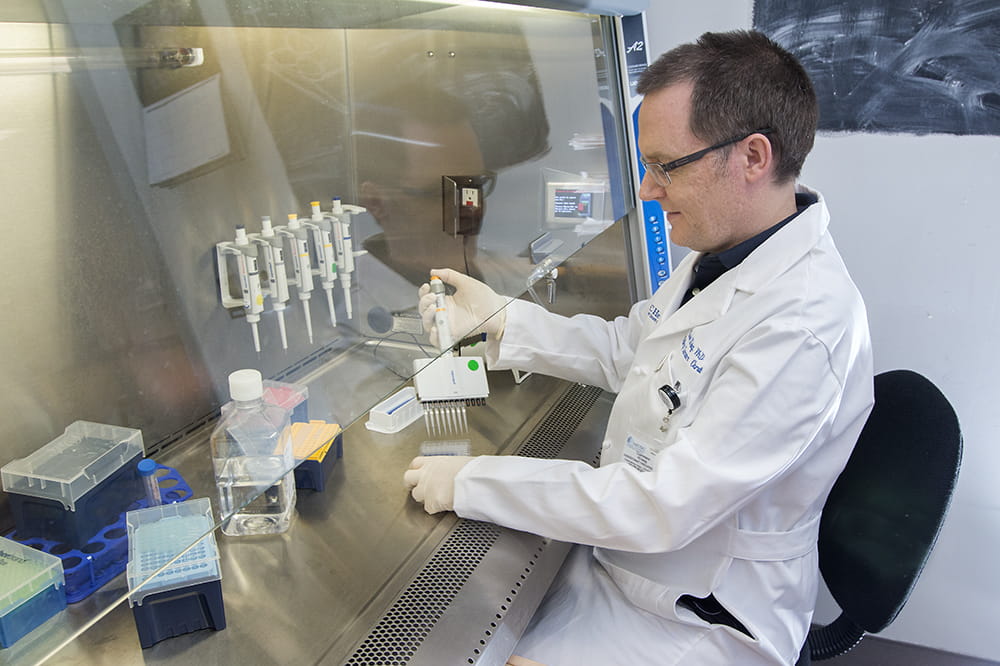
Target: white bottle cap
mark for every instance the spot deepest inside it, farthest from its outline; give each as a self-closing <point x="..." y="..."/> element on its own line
<point x="246" y="385"/>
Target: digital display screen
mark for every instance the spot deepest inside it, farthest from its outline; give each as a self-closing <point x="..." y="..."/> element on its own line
<point x="573" y="204"/>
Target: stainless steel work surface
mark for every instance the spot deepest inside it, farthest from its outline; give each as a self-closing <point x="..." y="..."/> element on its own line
<point x="364" y="573"/>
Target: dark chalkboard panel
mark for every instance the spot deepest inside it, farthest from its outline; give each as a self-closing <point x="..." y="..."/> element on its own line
<point x="921" y="66"/>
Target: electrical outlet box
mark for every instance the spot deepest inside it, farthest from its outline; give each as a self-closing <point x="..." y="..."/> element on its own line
<point x="464" y="203"/>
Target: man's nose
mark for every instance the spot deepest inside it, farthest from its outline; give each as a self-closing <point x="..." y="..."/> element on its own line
<point x="649" y="189"/>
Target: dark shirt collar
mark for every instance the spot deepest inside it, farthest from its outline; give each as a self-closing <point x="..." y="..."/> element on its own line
<point x="710" y="266"/>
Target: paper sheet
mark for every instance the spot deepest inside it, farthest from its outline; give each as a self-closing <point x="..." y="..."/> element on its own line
<point x="185" y="131"/>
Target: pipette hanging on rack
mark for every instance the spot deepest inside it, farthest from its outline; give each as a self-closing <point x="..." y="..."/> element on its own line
<point x="248" y="268"/>
<point x="321" y="229"/>
<point x="298" y="237"/>
<point x="342" y="215"/>
<point x="273" y="250"/>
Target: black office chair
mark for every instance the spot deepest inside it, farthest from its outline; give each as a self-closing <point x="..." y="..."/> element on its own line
<point x="884" y="512"/>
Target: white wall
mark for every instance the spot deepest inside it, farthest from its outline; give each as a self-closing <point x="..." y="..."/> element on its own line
<point x="915" y="222"/>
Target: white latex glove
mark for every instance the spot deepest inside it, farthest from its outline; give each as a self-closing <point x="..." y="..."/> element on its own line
<point x="471" y="309"/>
<point x="431" y="480"/>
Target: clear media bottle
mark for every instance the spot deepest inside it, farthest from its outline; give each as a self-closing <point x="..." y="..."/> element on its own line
<point x="253" y="461"/>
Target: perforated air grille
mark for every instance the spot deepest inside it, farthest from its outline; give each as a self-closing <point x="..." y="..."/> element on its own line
<point x="548" y="439"/>
<point x="401" y="630"/>
<point x="406" y="624"/>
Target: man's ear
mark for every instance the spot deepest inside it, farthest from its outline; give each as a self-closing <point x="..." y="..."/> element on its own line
<point x="758" y="157"/>
<point x="373" y="197"/>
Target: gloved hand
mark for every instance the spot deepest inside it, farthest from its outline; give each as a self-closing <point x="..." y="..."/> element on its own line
<point x="431" y="480"/>
<point x="471" y="310"/>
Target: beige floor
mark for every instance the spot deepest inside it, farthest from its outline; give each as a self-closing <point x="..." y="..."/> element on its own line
<point x="874" y="651"/>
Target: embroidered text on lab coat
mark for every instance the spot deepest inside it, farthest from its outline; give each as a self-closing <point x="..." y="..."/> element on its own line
<point x="692" y="353"/>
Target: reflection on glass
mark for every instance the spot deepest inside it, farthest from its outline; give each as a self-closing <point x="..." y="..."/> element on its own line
<point x="118" y="305"/>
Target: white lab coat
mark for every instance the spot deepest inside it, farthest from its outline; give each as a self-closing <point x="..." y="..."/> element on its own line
<point x="774" y="366"/>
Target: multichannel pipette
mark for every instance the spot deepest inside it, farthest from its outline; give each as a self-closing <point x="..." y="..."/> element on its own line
<point x="249" y="272"/>
<point x="277" y="277"/>
<point x="326" y="257"/>
<point x="299" y="238"/>
<point x="448" y="384"/>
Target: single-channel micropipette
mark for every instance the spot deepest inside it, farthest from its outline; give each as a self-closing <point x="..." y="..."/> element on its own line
<point x="277" y="276"/>
<point x="249" y="272"/>
<point x="326" y="257"/>
<point x="344" y="245"/>
<point x="299" y="239"/>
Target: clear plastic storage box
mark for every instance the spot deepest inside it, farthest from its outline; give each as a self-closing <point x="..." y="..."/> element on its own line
<point x="32" y="589"/>
<point x="185" y="596"/>
<point x="158" y="534"/>
<point x="75" y="485"/>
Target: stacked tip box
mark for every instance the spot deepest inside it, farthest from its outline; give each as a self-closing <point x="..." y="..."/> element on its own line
<point x="294" y="398"/>
<point x="317" y="446"/>
<point x="187" y="595"/>
<point x="31" y="589"/>
<point x="77" y="484"/>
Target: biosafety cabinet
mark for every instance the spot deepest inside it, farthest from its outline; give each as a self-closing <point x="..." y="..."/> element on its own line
<point x="163" y="158"/>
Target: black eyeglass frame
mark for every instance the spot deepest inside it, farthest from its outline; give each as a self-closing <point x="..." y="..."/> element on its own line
<point x="664" y="168"/>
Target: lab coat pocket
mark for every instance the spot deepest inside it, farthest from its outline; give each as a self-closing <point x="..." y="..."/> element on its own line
<point x="668" y="395"/>
<point x="660" y="596"/>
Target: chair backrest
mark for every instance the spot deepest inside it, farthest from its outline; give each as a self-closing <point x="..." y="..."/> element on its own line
<point x="884" y="513"/>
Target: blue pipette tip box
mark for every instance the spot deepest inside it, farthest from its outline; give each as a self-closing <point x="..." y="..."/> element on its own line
<point x="317" y="446"/>
<point x="173" y="571"/>
<point x="75" y="485"/>
<point x="32" y="589"/>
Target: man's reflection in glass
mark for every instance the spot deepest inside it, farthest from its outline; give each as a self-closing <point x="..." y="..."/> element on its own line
<point x="404" y="147"/>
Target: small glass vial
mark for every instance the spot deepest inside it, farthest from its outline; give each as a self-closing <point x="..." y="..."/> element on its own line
<point x="147" y="472"/>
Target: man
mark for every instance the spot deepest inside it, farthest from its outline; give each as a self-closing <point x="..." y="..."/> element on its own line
<point x="742" y="384"/>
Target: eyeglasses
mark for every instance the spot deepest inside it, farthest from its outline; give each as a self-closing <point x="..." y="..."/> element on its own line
<point x="661" y="170"/>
